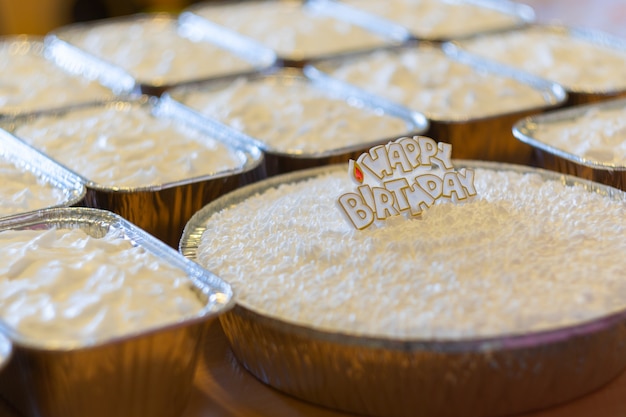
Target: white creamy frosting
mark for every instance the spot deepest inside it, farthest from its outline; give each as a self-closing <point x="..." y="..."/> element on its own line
<point x="66" y="286"/>
<point x="22" y="191"/>
<point x="126" y="146"/>
<point x="438" y="19"/>
<point x="292" y="115"/>
<point x="575" y="63"/>
<point x="29" y="82"/>
<point x="152" y="51"/>
<point x="291" y="29"/>
<point x="524" y="255"/>
<point x="426" y="80"/>
<point x="597" y="135"/>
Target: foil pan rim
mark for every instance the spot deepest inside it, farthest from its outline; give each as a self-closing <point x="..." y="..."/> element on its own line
<point x="252" y="156"/>
<point x="416" y="122"/>
<point x="452" y="51"/>
<point x="194" y="228"/>
<point x="523" y="130"/>
<point x="203" y="280"/>
<point x="593" y="36"/>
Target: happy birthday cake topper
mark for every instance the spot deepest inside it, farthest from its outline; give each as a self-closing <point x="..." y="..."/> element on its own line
<point x="406" y="176"/>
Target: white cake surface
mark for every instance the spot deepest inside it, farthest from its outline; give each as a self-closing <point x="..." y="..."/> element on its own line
<point x="22" y="191"/>
<point x="524" y="255"/>
<point x="64" y="285"/>
<point x="597" y="135"/>
<point x="152" y="51"/>
<point x="126" y="146"/>
<point x="438" y="19"/>
<point x="291" y="29"/>
<point x="574" y="62"/>
<point x="426" y="80"/>
<point x="29" y="82"/>
<point x="291" y="115"/>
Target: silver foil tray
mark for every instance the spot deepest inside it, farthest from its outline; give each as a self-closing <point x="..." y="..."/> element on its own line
<point x="62" y="49"/>
<point x="404" y="378"/>
<point x="389" y="33"/>
<point x="162" y="209"/>
<point x="551" y="157"/>
<point x="27" y="159"/>
<point x="148" y="372"/>
<point x="279" y="160"/>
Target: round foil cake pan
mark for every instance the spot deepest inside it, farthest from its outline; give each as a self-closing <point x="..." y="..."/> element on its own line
<point x="388" y="377"/>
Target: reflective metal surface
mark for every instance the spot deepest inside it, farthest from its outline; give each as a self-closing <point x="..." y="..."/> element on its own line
<point x="163" y="209"/>
<point x="551" y="157"/>
<point x="477" y="138"/>
<point x="45" y="169"/>
<point x="148" y="373"/>
<point x="400" y="378"/>
<point x="278" y="161"/>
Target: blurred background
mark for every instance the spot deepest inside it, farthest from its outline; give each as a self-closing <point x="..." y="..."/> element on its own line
<point x="38" y="17"/>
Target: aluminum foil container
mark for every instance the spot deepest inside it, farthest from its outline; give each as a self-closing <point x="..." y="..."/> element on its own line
<point x="550" y="155"/>
<point x="144" y="373"/>
<point x="153" y="51"/>
<point x="437" y="20"/>
<point x="546" y="51"/>
<point x="44" y="170"/>
<point x="282" y="157"/>
<point x="297" y="31"/>
<point x="388" y="377"/>
<point x="32" y="81"/>
<point x="481" y="136"/>
<point x="161" y="209"/>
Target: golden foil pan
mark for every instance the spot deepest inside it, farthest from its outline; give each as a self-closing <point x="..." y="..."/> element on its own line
<point x="147" y="373"/>
<point x="576" y="94"/>
<point x="163" y="209"/>
<point x="387" y="377"/>
<point x="487" y="137"/>
<point x="64" y="46"/>
<point x="27" y="159"/>
<point x="550" y="157"/>
<point x="281" y="160"/>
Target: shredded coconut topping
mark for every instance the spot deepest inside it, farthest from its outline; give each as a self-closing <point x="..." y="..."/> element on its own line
<point x="524" y="255"/>
<point x="127" y="146"/>
<point x="65" y="285"/>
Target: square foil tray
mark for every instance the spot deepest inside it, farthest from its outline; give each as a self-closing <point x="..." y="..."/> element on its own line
<point x="487" y="137"/>
<point x="419" y="22"/>
<point x="48" y="172"/>
<point x="163" y="209"/>
<point x="146" y="373"/>
<point x="551" y="157"/>
<point x="280" y="160"/>
<point x="239" y="57"/>
<point x="315" y="29"/>
<point x="43" y="83"/>
<point x="387" y="377"/>
<point x="576" y="93"/>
